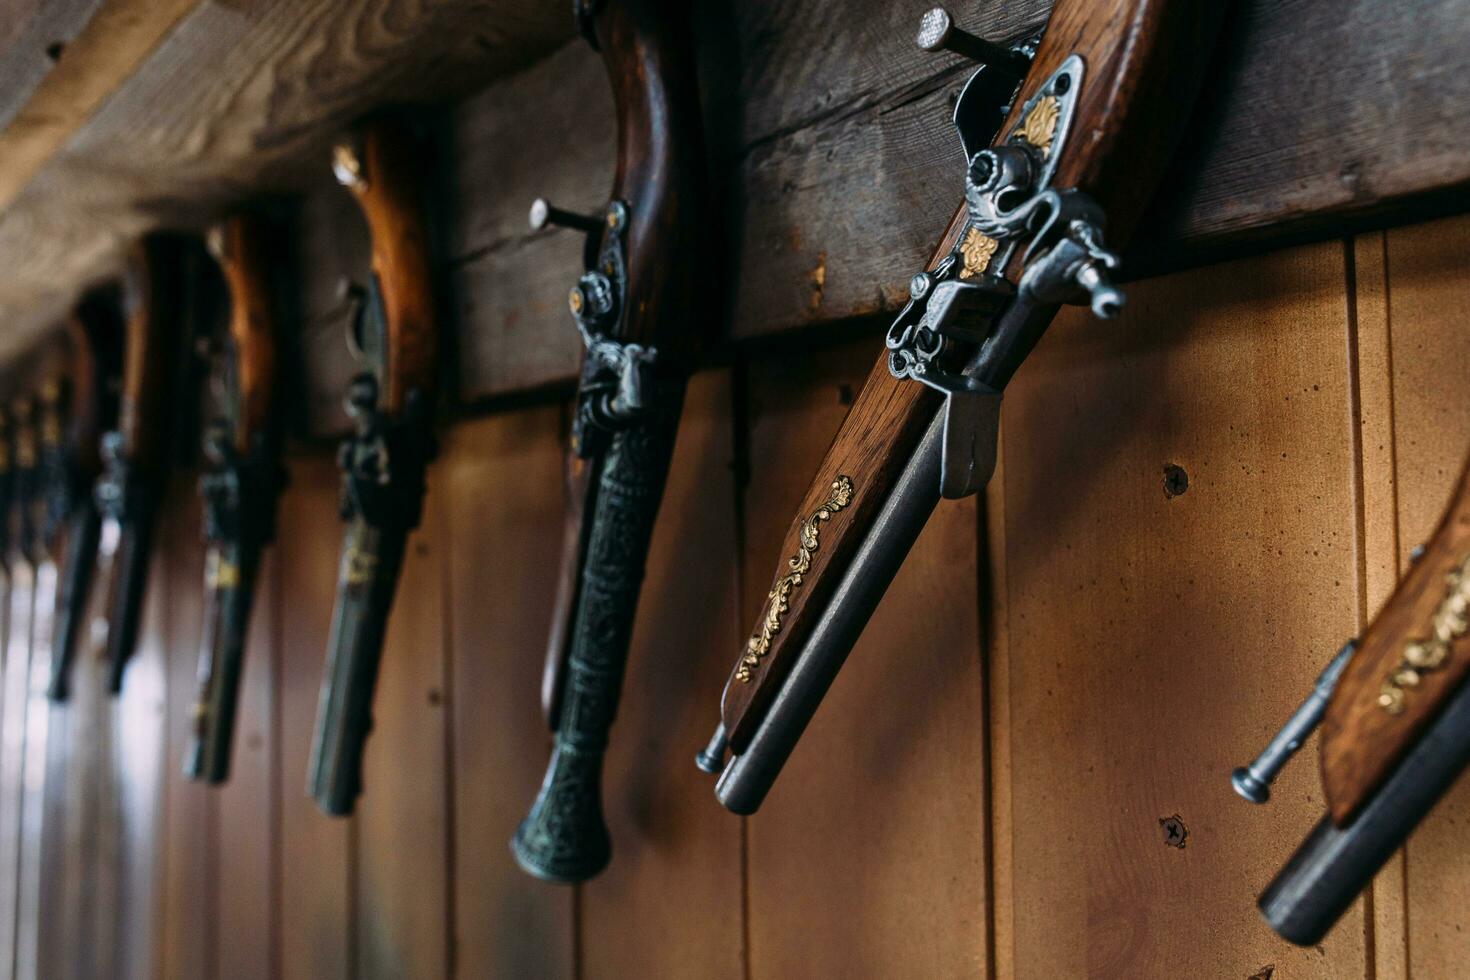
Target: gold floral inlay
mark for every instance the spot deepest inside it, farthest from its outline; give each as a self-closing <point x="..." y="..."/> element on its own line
<point x="778" y="600"/>
<point x="1425" y="655"/>
<point x="976" y="251"/>
<point x="1040" y="126"/>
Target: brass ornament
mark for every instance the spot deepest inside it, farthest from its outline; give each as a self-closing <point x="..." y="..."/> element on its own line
<point x="778" y="600"/>
<point x="976" y="250"/>
<point x="220" y="573"/>
<point x="1425" y="655"/>
<point x="358" y="566"/>
<point x="1040" y="125"/>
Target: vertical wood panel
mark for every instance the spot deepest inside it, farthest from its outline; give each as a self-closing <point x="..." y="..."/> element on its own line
<point x="54" y="941"/>
<point x="34" y="801"/>
<point x="80" y="943"/>
<point x="315" y="872"/>
<point x="1155" y="643"/>
<point x="501" y="482"/>
<point x="247" y="805"/>
<point x="1378" y="530"/>
<point x="1429" y="326"/>
<point x="403" y="826"/>
<point x="675" y="872"/>
<point x="191" y="912"/>
<point x="13" y="698"/>
<point x="867" y="859"/>
<point x="136" y="800"/>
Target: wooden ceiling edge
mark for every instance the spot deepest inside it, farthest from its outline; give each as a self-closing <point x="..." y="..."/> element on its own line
<point x="119" y="37"/>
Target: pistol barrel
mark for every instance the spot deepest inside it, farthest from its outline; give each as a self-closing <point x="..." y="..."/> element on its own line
<point x="748" y="777"/>
<point x="130" y="584"/>
<point x="229" y="587"/>
<point x="366" y="581"/>
<point x="79" y="564"/>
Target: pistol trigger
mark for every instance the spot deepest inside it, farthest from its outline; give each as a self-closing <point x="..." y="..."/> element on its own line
<point x="971" y="432"/>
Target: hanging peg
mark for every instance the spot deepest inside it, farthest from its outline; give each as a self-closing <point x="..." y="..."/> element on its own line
<point x="544" y="213"/>
<point x="938" y="33"/>
<point x="1253" y="782"/>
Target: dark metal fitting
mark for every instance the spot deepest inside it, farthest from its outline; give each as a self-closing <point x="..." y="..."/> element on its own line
<point x="1253" y="782"/>
<point x="544" y="213"/>
<point x="938" y="33"/>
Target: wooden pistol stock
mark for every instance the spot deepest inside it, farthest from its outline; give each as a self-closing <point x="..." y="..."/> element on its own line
<point x="242" y="446"/>
<point x="383" y="463"/>
<point x="136" y="456"/>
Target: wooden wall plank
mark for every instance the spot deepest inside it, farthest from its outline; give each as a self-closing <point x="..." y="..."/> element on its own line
<point x="315" y="900"/>
<point x="675" y="850"/>
<point x="867" y="859"/>
<point x="402" y="818"/>
<point x="52" y="939"/>
<point x="20" y="596"/>
<point x="35" y="805"/>
<point x="246" y="854"/>
<point x="1370" y="351"/>
<point x="79" y="943"/>
<point x="191" y="907"/>
<point x="1428" y="299"/>
<point x="500" y="478"/>
<point x="139" y="745"/>
<point x="831" y="149"/>
<point x="1156" y="643"/>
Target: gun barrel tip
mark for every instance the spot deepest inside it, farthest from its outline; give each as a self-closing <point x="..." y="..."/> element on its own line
<point x="1249" y="787"/>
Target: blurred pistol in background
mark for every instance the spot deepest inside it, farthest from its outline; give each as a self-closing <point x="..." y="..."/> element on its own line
<point x="136" y="456"/>
<point x="383" y="463"/>
<point x="95" y="337"/>
<point x="241" y="482"/>
<point x="1395" y="715"/>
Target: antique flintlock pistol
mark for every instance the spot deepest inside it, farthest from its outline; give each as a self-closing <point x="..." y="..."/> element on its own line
<point x="242" y="446"/>
<point x="383" y="462"/>
<point x="1060" y="136"/>
<point x="1395" y="716"/>
<point x="632" y="307"/>
<point x="137" y="455"/>
<point x="95" y="336"/>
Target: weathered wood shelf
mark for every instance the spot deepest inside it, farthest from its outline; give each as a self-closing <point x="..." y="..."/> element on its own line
<point x="827" y="130"/>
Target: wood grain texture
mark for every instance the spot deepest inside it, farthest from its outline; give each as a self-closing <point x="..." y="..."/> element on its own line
<point x="246" y="257"/>
<point x="498" y="480"/>
<point x="1361" y="741"/>
<point x="1153" y="643"/>
<point x="829" y="139"/>
<point x="1428" y="308"/>
<point x="402" y="910"/>
<point x="867" y="858"/>
<point x="674" y="849"/>
<point x="315" y="900"/>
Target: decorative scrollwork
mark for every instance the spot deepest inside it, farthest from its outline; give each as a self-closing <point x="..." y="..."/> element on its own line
<point x="778" y="600"/>
<point x="1425" y="655"/>
<point x="1040" y="125"/>
<point x="976" y="250"/>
